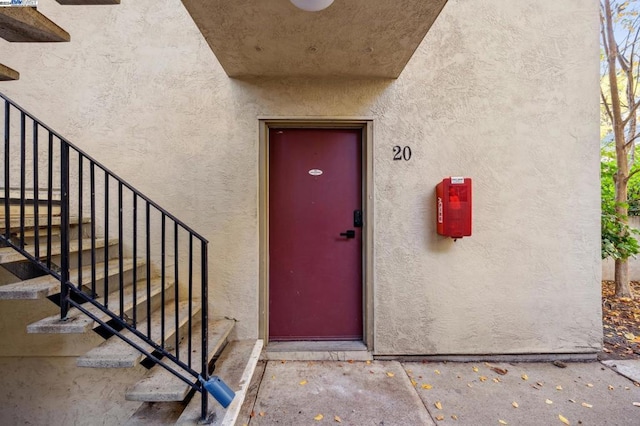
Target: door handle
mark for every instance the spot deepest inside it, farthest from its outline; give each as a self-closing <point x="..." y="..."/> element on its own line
<point x="349" y="234"/>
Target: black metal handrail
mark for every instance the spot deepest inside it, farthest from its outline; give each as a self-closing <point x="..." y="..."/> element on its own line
<point x="77" y="177"/>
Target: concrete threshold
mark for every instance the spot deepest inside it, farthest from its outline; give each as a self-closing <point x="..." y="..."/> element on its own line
<point x="317" y="351"/>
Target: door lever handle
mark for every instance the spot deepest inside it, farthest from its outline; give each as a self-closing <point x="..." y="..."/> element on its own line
<point x="349" y="234"/>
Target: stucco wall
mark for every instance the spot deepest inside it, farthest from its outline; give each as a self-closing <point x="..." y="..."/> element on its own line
<point x="503" y="92"/>
<point x="54" y="392"/>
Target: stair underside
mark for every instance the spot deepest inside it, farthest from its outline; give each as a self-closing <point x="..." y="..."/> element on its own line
<point x="116" y="353"/>
<point x="8" y="74"/>
<point x="26" y="24"/>
<point x="47" y="285"/>
<point x="160" y="385"/>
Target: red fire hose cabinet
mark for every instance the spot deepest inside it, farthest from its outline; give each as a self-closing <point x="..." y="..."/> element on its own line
<point x="454" y="207"/>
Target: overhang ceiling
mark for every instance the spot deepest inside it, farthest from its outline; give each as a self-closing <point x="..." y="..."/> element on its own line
<point x="351" y="38"/>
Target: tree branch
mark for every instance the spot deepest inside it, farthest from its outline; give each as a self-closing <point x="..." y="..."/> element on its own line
<point x="632" y="174"/>
<point x="632" y="112"/>
<point x="632" y="140"/>
<point x="606" y="105"/>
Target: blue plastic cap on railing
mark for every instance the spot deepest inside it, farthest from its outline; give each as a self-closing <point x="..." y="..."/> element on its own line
<point x="218" y="389"/>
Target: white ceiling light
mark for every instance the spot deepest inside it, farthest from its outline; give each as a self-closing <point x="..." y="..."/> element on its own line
<point x="312" y="5"/>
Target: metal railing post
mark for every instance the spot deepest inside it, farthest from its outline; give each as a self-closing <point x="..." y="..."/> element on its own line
<point x="64" y="234"/>
<point x="205" y="319"/>
<point x="7" y="182"/>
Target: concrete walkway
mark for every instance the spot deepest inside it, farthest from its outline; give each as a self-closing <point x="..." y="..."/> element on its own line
<point x="385" y="393"/>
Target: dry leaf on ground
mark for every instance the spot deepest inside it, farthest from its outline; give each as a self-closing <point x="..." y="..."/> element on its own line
<point x="584" y="404"/>
<point x="438" y="405"/>
<point x="426" y="386"/>
<point x="302" y="383"/>
<point x="390" y="374"/>
<point x="501" y="371"/>
<point x="318" y="417"/>
<point x="621" y="322"/>
<point x="525" y="377"/>
<point x="515" y="404"/>
<point x="563" y="419"/>
<point x="337" y="419"/>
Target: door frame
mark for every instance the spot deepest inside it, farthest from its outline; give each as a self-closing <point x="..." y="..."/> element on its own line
<point x="365" y="125"/>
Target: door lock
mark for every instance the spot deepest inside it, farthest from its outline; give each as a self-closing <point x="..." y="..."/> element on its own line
<point x="357" y="218"/>
<point x="349" y="234"/>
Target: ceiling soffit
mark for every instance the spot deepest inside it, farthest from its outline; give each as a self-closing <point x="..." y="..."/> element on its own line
<point x="351" y="38"/>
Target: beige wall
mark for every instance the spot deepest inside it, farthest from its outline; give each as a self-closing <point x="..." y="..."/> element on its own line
<point x="503" y="92"/>
<point x="54" y="392"/>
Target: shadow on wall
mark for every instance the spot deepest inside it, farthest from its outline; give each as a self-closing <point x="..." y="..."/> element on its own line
<point x="435" y="242"/>
<point x="608" y="265"/>
<point x="310" y="97"/>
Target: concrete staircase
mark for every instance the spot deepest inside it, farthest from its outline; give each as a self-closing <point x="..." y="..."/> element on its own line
<point x="114" y="280"/>
<point x="165" y="398"/>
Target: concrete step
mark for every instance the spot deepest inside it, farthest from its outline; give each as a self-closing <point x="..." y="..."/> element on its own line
<point x="160" y="385"/>
<point x="235" y="367"/>
<point x="8" y="254"/>
<point x="77" y="322"/>
<point x="43" y="221"/>
<point x="87" y="2"/>
<point x="15" y="210"/>
<point x="29" y="234"/>
<point x="26" y="24"/>
<point x="116" y="353"/>
<point x="47" y="285"/>
<point x="8" y="74"/>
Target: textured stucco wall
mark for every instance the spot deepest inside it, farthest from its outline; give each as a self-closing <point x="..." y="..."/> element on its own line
<point x="54" y="392"/>
<point x="503" y="92"/>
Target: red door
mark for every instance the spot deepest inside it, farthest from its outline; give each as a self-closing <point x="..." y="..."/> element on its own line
<point x="315" y="273"/>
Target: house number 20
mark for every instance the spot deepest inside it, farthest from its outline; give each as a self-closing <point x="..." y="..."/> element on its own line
<point x="401" y="153"/>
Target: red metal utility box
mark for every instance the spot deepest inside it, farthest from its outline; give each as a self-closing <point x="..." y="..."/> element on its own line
<point x="454" y="207"/>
